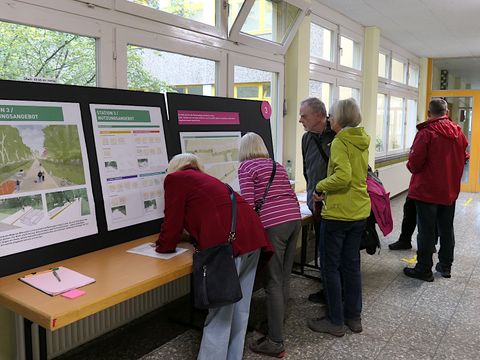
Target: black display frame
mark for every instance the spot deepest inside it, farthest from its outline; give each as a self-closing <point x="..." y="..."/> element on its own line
<point x="251" y="119"/>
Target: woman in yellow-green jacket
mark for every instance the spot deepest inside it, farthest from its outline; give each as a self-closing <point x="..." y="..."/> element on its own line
<point x="344" y="213"/>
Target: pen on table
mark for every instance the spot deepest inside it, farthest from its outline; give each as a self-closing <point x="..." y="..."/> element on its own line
<point x="54" y="271"/>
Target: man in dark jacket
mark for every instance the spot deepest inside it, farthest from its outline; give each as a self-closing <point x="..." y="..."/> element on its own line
<point x="315" y="152"/>
<point x="436" y="161"/>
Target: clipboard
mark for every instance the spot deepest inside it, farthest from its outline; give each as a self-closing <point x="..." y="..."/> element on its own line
<point x="51" y="284"/>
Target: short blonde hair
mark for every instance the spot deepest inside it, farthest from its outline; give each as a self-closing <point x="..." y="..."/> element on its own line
<point x="347" y="113"/>
<point x="252" y="146"/>
<point x="182" y="161"/>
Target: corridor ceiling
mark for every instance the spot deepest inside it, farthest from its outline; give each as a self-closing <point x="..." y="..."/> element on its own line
<point x="426" y="28"/>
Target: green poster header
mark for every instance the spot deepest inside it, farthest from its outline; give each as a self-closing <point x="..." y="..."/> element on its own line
<point x="117" y="115"/>
<point x="30" y="113"/>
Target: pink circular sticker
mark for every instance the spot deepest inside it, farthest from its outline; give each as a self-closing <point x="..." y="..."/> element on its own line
<point x="266" y="110"/>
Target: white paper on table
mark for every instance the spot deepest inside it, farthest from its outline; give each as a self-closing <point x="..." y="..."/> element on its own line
<point x="304" y="210"/>
<point x="302" y="197"/>
<point x="148" y="250"/>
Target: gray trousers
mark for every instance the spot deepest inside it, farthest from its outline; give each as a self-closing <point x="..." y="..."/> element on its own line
<point x="225" y="327"/>
<point x="277" y="283"/>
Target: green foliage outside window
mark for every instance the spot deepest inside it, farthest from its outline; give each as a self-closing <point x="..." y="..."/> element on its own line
<point x="32" y="52"/>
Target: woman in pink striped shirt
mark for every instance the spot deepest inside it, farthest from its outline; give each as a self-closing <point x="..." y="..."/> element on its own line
<point x="280" y="215"/>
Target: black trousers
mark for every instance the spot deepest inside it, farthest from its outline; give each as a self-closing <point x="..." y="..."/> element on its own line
<point x="432" y="218"/>
<point x="409" y="221"/>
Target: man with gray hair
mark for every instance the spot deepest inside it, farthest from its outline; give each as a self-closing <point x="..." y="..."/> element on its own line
<point x="436" y="161"/>
<point x="315" y="152"/>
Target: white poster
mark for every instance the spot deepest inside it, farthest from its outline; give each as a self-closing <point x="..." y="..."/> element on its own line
<point x="132" y="158"/>
<point x="218" y="152"/>
<point x="45" y="190"/>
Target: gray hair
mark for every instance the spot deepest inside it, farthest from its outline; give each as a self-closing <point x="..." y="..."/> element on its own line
<point x="184" y="160"/>
<point x="347" y="113"/>
<point x="438" y="107"/>
<point x="316" y="105"/>
<point x="252" y="146"/>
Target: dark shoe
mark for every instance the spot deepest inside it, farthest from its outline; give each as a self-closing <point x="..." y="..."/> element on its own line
<point x="418" y="275"/>
<point x="324" y="325"/>
<point x="318" y="297"/>
<point x="354" y="324"/>
<point x="265" y="346"/>
<point x="444" y="271"/>
<point x="400" y="245"/>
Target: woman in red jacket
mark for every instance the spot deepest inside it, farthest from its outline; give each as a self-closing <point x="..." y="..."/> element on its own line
<point x="200" y="204"/>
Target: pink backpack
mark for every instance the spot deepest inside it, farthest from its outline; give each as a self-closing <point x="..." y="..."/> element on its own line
<point x="380" y="200"/>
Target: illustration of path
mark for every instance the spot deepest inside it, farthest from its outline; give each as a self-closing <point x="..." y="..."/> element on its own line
<point x="69" y="211"/>
<point x="30" y="181"/>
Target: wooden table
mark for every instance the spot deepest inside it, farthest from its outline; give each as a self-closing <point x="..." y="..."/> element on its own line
<point x="119" y="276"/>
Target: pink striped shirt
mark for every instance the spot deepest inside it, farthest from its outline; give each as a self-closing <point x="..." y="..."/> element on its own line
<point x="281" y="204"/>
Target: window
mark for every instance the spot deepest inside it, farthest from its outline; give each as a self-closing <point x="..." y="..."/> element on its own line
<point x="30" y="53"/>
<point x="383" y="62"/>
<point x="234" y="7"/>
<point x="413" y="74"/>
<point x="345" y="92"/>
<point x="381" y="122"/>
<point x="395" y="124"/>
<point x="159" y="71"/>
<point x="398" y="71"/>
<point x="198" y="10"/>
<point x="255" y="84"/>
<point x="321" y="43"/>
<point x="247" y="92"/>
<point x="270" y="20"/>
<point x="321" y="90"/>
<point x="350" y="53"/>
<point x="411" y="128"/>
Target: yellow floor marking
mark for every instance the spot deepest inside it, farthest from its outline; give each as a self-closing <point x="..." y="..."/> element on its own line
<point x="468" y="201"/>
<point x="412" y="261"/>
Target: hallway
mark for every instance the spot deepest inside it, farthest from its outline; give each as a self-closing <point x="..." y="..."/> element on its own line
<point x="403" y="318"/>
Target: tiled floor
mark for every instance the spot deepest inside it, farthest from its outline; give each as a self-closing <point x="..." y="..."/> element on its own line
<point x="403" y="318"/>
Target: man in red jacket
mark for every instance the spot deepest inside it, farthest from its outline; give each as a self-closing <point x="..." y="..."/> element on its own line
<point x="436" y="161"/>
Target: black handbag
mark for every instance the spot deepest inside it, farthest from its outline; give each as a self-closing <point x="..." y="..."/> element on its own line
<point x="215" y="277"/>
<point x="259" y="203"/>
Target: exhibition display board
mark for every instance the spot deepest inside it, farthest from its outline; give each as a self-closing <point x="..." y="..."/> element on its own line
<point x="82" y="168"/>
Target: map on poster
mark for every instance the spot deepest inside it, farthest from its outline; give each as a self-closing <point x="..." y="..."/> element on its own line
<point x="132" y="157"/>
<point x="218" y="151"/>
<point x="45" y="190"/>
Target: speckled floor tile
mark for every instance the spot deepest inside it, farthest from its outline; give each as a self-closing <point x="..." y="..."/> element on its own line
<point x="403" y="318"/>
<point x="397" y="352"/>
<point x="420" y="331"/>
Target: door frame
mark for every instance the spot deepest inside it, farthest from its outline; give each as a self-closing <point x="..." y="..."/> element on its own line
<point x="473" y="184"/>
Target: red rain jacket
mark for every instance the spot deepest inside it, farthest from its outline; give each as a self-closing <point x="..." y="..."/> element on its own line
<point x="436" y="161"/>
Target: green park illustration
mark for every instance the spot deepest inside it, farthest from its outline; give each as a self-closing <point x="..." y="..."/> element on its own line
<point x="39" y="157"/>
<point x="19" y="212"/>
<point x="67" y="204"/>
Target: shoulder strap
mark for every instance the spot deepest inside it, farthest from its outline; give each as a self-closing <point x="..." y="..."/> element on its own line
<point x="259" y="203"/>
<point x="319" y="145"/>
<point x="231" y="235"/>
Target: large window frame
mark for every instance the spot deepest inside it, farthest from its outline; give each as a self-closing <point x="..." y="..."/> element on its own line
<point x="391" y="88"/>
<point x="270" y="66"/>
<point x="164" y="43"/>
<point x="219" y="30"/>
<point x="50" y="19"/>
<point x="237" y="35"/>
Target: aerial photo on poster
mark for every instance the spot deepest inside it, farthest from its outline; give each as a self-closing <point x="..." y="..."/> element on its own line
<point x="42" y="152"/>
<point x="130" y="144"/>
<point x="218" y="151"/>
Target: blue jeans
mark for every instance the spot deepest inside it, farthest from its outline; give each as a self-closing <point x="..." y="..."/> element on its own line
<point x="432" y="217"/>
<point x="340" y="255"/>
<point x="225" y="327"/>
